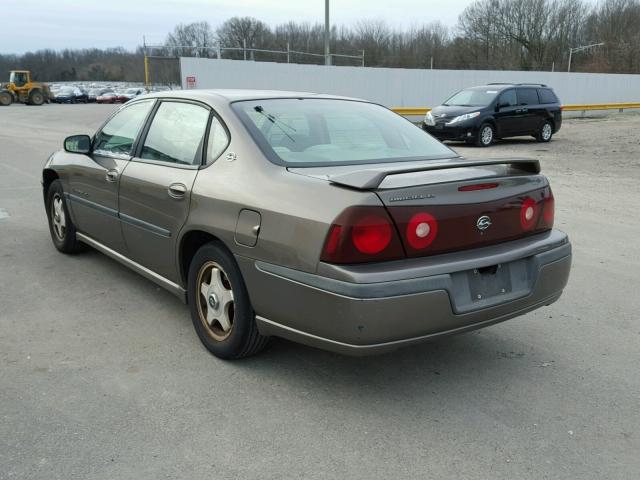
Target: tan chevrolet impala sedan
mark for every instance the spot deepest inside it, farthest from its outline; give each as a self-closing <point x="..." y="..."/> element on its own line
<point x="329" y="221"/>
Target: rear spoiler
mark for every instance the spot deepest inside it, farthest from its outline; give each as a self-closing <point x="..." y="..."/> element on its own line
<point x="372" y="177"/>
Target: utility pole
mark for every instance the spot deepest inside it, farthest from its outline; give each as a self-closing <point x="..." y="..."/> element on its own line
<point x="327" y="32"/>
<point x="146" y="63"/>
<point x="580" y="49"/>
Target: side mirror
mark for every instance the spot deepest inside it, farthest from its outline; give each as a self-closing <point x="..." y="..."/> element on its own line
<point x="78" y="144"/>
<point x="502" y="105"/>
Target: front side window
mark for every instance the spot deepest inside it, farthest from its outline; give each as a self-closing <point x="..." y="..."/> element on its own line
<point x="315" y="132"/>
<point x="528" y="96"/>
<point x="176" y="134"/>
<point x="508" y="98"/>
<point x="118" y="135"/>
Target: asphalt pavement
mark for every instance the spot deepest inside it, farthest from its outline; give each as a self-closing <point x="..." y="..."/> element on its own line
<point x="102" y="375"/>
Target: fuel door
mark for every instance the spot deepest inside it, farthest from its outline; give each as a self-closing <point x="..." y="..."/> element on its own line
<point x="247" y="228"/>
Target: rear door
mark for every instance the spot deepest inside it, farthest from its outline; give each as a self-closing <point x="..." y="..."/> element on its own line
<point x="95" y="178"/>
<point x="528" y="111"/>
<point x="155" y="189"/>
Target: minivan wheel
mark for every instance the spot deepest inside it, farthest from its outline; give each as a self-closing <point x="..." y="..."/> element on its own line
<point x="221" y="310"/>
<point x="62" y="229"/>
<point x="545" y="133"/>
<point x="485" y="136"/>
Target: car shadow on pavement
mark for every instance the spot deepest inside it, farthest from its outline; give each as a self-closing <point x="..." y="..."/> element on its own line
<point x="448" y="369"/>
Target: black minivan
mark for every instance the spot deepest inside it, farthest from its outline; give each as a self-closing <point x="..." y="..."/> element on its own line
<point x="498" y="110"/>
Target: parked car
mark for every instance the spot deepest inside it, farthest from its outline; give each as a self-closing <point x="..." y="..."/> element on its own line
<point x="483" y="114"/>
<point x="71" y="95"/>
<point x="326" y="220"/>
<point x="94" y="93"/>
<point x="130" y="93"/>
<point x="108" y="97"/>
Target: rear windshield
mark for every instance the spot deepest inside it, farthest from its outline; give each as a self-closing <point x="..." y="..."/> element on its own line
<point x="316" y="132"/>
<point x="472" y="98"/>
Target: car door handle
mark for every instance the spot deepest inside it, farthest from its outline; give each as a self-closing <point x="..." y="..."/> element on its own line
<point x="112" y="175"/>
<point x="177" y="190"/>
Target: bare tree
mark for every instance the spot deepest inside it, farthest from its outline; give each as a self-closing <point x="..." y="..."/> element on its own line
<point x="191" y="40"/>
<point x="240" y="31"/>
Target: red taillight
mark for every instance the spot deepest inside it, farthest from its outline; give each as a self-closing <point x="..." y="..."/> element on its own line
<point x="332" y="239"/>
<point x="372" y="234"/>
<point x="548" y="210"/>
<point x="362" y="234"/>
<point x="421" y="230"/>
<point x="529" y="212"/>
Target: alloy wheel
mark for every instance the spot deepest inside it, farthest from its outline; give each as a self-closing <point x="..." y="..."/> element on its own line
<point x="58" y="217"/>
<point x="546" y="131"/>
<point x="486" y="135"/>
<point x="215" y="304"/>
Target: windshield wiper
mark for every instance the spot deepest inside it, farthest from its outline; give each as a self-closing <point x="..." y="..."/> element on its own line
<point x="277" y="122"/>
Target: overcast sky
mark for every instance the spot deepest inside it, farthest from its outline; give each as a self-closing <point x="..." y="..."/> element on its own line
<point x="37" y="24"/>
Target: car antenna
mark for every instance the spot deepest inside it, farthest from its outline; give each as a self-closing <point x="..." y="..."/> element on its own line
<point x="275" y="121"/>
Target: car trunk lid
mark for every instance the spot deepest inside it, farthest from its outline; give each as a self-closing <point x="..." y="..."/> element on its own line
<point x="455" y="204"/>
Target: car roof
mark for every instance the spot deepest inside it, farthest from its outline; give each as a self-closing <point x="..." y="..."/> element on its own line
<point x="503" y="86"/>
<point x="234" y="95"/>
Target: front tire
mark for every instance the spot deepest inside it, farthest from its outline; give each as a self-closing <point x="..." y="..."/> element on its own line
<point x="220" y="307"/>
<point x="486" y="134"/>
<point x="62" y="229"/>
<point x="5" y="99"/>
<point x="545" y="133"/>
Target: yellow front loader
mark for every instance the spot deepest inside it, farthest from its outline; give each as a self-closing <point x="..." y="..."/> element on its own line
<point x="21" y="89"/>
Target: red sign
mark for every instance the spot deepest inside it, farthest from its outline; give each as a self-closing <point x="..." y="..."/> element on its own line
<point x="191" y="82"/>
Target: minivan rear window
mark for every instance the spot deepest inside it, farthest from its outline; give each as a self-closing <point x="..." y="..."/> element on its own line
<point x="527" y="96"/>
<point x="317" y="132"/>
<point x="547" y="96"/>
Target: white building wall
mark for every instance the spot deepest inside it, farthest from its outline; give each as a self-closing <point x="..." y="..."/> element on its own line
<point x="399" y="87"/>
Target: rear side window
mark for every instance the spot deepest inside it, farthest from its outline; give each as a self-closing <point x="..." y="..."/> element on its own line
<point x="528" y="96"/>
<point x="118" y="135"/>
<point x="547" y="96"/>
<point x="218" y="140"/>
<point x="508" y="98"/>
<point x="176" y="134"/>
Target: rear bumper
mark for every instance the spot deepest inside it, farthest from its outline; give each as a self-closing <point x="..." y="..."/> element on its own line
<point x="367" y="309"/>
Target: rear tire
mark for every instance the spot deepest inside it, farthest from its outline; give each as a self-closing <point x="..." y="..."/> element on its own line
<point x="220" y="307"/>
<point x="61" y="227"/>
<point x="36" y="98"/>
<point x="545" y="133"/>
<point x="486" y="134"/>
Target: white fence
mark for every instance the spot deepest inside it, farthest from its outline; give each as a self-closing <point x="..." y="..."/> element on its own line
<point x="398" y="87"/>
